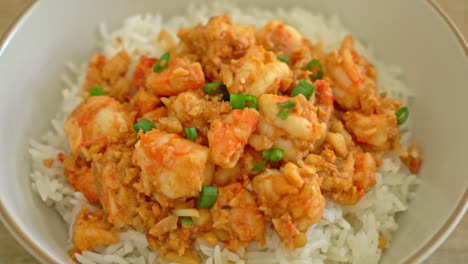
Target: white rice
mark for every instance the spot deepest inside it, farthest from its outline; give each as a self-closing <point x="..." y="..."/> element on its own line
<point x="345" y="234"/>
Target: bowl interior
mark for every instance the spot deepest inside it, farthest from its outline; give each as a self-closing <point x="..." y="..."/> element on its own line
<point x="55" y="32"/>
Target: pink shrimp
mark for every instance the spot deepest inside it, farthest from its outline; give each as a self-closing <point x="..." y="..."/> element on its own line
<point x="171" y="166"/>
<point x="228" y="137"/>
<point x="324" y="101"/>
<point x="237" y="214"/>
<point x="353" y="75"/>
<point x="378" y="131"/>
<point x="96" y="118"/>
<point x="179" y="75"/>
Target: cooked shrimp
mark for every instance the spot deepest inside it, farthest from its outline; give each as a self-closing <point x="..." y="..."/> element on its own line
<point x="228" y="136"/>
<point x="364" y="170"/>
<point x="236" y="218"/>
<point x="91" y="230"/>
<point x="170" y="165"/>
<point x="258" y="72"/>
<point x="379" y="131"/>
<point x="142" y="70"/>
<point x="144" y="102"/>
<point x="196" y="109"/>
<point x="79" y="175"/>
<point x="216" y="43"/>
<point x="279" y="38"/>
<point x="109" y="74"/>
<point x="180" y="75"/>
<point x="98" y="117"/>
<point x="353" y="75"/>
<point x="291" y="191"/>
<point x="324" y="101"/>
<point x="297" y="133"/>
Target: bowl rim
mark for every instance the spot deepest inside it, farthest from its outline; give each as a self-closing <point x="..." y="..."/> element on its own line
<point x="416" y="257"/>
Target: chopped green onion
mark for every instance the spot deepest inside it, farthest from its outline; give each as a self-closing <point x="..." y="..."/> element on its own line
<point x="402" y="115"/>
<point x="276" y="154"/>
<point x="304" y="88"/>
<point x="260" y="166"/>
<point x="96" y="90"/>
<point x="158" y="67"/>
<point x="315" y="63"/>
<point x="143" y="124"/>
<point x="286" y="108"/>
<point x="252" y="99"/>
<point x="208" y="88"/>
<point x="222" y="89"/>
<point x="186" y="220"/>
<point x="266" y="153"/>
<point x="283" y="59"/>
<point x="208" y="196"/>
<point x="191" y="133"/>
<point x="237" y="101"/>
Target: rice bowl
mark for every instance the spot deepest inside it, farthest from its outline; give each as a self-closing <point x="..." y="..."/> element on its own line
<point x="346" y="234"/>
<point x="331" y="214"/>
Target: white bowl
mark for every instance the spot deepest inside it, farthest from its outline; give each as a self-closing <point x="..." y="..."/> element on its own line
<point x="413" y="34"/>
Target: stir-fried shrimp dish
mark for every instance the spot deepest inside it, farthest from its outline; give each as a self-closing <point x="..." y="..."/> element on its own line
<point x="232" y="132"/>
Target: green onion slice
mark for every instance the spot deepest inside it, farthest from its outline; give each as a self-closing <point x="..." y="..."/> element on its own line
<point x="260" y="166"/>
<point x="266" y="153"/>
<point x="304" y="88"/>
<point x="209" y="88"/>
<point x="191" y="133"/>
<point x="315" y="63"/>
<point x="96" y="91"/>
<point x="252" y="99"/>
<point x="158" y="67"/>
<point x="208" y="196"/>
<point x="276" y="154"/>
<point x="222" y="89"/>
<point x="402" y="115"/>
<point x="144" y="124"/>
<point x="286" y="108"/>
<point x="238" y="101"/>
<point x="284" y="59"/>
<point x="186" y="220"/>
